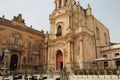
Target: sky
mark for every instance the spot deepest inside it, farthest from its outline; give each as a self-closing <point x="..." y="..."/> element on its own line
<point x="36" y="13"/>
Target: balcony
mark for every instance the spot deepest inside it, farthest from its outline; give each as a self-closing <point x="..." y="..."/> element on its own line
<point x="16" y="47"/>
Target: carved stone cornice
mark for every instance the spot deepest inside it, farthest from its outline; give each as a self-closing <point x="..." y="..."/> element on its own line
<point x="8" y="23"/>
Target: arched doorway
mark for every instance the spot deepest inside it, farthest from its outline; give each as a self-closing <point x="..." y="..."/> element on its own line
<point x="59" y="60"/>
<point x="13" y="62"/>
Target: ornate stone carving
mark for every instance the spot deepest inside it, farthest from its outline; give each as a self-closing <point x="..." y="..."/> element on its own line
<point x="19" y="18"/>
<point x="16" y="34"/>
<point x="9" y="23"/>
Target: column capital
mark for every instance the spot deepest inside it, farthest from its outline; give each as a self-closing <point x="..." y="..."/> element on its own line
<point x="70" y="39"/>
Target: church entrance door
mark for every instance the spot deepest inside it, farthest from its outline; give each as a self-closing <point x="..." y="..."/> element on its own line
<point x="59" y="60"/>
<point x="13" y="62"/>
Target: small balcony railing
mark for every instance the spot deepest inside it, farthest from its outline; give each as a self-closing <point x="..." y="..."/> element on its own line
<point x="16" y="47"/>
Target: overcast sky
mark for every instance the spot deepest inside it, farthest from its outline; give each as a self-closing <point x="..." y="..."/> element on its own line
<point x="36" y="13"/>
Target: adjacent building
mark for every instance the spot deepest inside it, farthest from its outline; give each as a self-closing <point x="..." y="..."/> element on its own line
<point x="25" y="44"/>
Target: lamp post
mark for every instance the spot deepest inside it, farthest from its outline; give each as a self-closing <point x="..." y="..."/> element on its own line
<point x="5" y="63"/>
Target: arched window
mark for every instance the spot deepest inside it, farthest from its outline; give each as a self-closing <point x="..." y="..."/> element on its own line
<point x="59" y="31"/>
<point x="16" y="40"/>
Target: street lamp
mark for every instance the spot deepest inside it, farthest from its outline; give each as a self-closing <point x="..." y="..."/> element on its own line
<point x="5" y="62"/>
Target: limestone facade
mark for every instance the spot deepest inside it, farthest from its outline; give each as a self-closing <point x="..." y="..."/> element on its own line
<point x="76" y="38"/>
<point x="25" y="44"/>
<point x="75" y="35"/>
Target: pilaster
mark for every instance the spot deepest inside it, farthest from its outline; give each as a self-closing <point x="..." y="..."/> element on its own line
<point x="69" y="52"/>
<point x="81" y="51"/>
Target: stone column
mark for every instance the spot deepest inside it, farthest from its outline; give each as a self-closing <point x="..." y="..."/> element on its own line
<point x="81" y="52"/>
<point x="69" y="53"/>
<point x="52" y="56"/>
<point x="19" y="65"/>
<point x="46" y="56"/>
<point x="49" y="57"/>
<point x="62" y="3"/>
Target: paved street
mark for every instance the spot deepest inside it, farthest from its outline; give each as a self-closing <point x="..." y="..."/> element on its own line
<point x="71" y="77"/>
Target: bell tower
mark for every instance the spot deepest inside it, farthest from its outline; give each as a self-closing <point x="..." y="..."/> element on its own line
<point x="68" y="34"/>
<point x="63" y="3"/>
<point x="61" y="18"/>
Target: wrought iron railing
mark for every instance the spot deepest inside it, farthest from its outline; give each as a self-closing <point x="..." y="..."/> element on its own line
<point x="15" y="47"/>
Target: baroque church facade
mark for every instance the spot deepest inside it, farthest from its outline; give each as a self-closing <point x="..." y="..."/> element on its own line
<point x="76" y="37"/>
